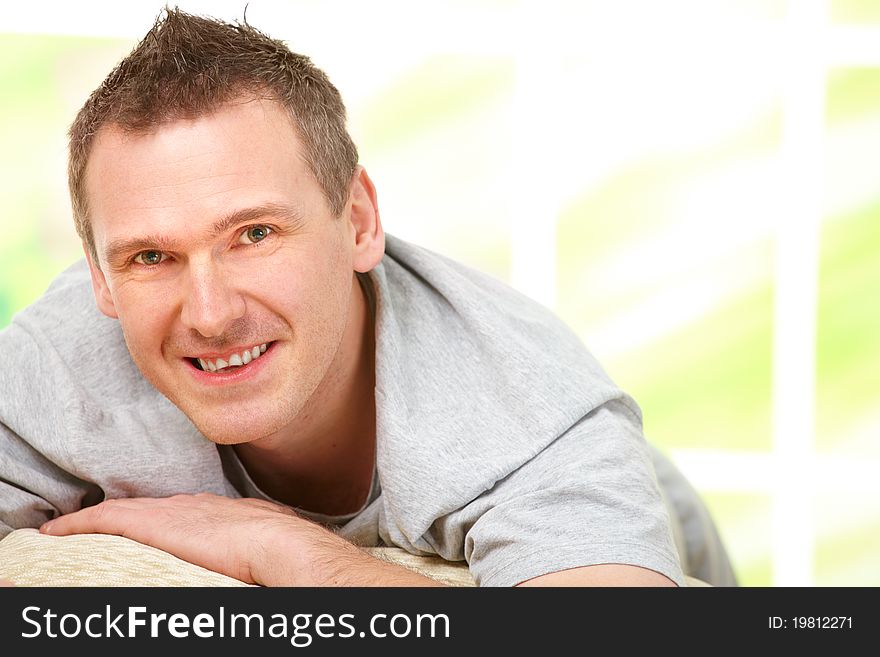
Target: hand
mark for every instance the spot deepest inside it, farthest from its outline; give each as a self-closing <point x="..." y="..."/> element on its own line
<point x="229" y="536"/>
<point x="254" y="541"/>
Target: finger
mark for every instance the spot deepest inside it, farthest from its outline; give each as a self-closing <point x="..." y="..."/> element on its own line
<point x="6" y="583"/>
<point x="109" y="517"/>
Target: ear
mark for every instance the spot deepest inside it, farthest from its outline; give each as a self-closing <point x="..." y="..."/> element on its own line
<point x="100" y="288"/>
<point x="369" y="238"/>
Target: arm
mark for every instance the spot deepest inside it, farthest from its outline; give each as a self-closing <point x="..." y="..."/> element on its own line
<point x="585" y="511"/>
<point x="602" y="575"/>
<point x="34" y="482"/>
<point x="32" y="488"/>
<point x="251" y="540"/>
<point x="267" y="544"/>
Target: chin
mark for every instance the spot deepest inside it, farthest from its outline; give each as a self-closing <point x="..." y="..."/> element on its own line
<point x="235" y="433"/>
<point x="231" y="422"/>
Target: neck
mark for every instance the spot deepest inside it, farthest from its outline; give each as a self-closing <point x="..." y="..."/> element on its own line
<point x="323" y="462"/>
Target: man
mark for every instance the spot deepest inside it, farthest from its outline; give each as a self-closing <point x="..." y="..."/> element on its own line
<point x="324" y="390"/>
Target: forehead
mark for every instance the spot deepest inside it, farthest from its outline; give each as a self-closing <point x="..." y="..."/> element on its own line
<point x="190" y="171"/>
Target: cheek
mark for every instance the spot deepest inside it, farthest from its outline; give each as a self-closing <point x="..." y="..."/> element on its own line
<point x="144" y="318"/>
<point x="305" y="283"/>
<point x="312" y="294"/>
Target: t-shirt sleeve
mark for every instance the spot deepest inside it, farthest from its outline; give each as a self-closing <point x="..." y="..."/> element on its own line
<point x="590" y="497"/>
<point x="33" y="486"/>
<point x="23" y="471"/>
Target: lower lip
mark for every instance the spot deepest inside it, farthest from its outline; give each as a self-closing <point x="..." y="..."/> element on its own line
<point x="232" y="375"/>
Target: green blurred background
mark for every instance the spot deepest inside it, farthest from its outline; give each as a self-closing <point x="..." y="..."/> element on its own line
<point x="639" y="144"/>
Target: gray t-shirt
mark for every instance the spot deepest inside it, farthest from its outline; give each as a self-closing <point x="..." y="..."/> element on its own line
<point x="500" y="440"/>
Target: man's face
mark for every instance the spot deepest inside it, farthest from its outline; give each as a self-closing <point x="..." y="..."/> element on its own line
<point x="216" y="243"/>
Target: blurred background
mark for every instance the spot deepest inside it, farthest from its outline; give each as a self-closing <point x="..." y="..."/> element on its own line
<point x="693" y="185"/>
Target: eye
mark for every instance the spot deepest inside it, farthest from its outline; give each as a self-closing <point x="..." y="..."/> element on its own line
<point x="150" y="258"/>
<point x="254" y="234"/>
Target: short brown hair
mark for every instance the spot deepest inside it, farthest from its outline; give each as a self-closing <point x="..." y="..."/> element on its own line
<point x="187" y="66"/>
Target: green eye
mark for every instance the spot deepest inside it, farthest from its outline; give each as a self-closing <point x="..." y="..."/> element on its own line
<point x="254" y="234"/>
<point x="150" y="258"/>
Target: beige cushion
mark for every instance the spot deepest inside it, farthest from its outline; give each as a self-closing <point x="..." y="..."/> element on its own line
<point x="29" y="558"/>
<point x="453" y="573"/>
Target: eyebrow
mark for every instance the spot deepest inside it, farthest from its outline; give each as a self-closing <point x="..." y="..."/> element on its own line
<point x="288" y="214"/>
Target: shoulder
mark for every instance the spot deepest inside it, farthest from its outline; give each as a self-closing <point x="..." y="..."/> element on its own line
<point x="435" y="308"/>
<point x="473" y="380"/>
<point x="65" y="317"/>
<point x="63" y="351"/>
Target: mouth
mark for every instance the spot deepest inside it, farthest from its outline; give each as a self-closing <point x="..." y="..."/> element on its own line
<point x="231" y="361"/>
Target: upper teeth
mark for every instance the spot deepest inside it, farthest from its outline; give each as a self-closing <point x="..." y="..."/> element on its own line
<point x="242" y="358"/>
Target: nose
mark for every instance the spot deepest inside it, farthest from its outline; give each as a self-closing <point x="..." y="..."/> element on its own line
<point x="210" y="303"/>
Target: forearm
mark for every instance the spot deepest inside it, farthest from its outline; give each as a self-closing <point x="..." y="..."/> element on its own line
<point x="251" y="540"/>
<point x="317" y="557"/>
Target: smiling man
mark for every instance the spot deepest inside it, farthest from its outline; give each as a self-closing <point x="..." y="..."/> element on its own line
<point x="234" y="283"/>
<point x="328" y="388"/>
